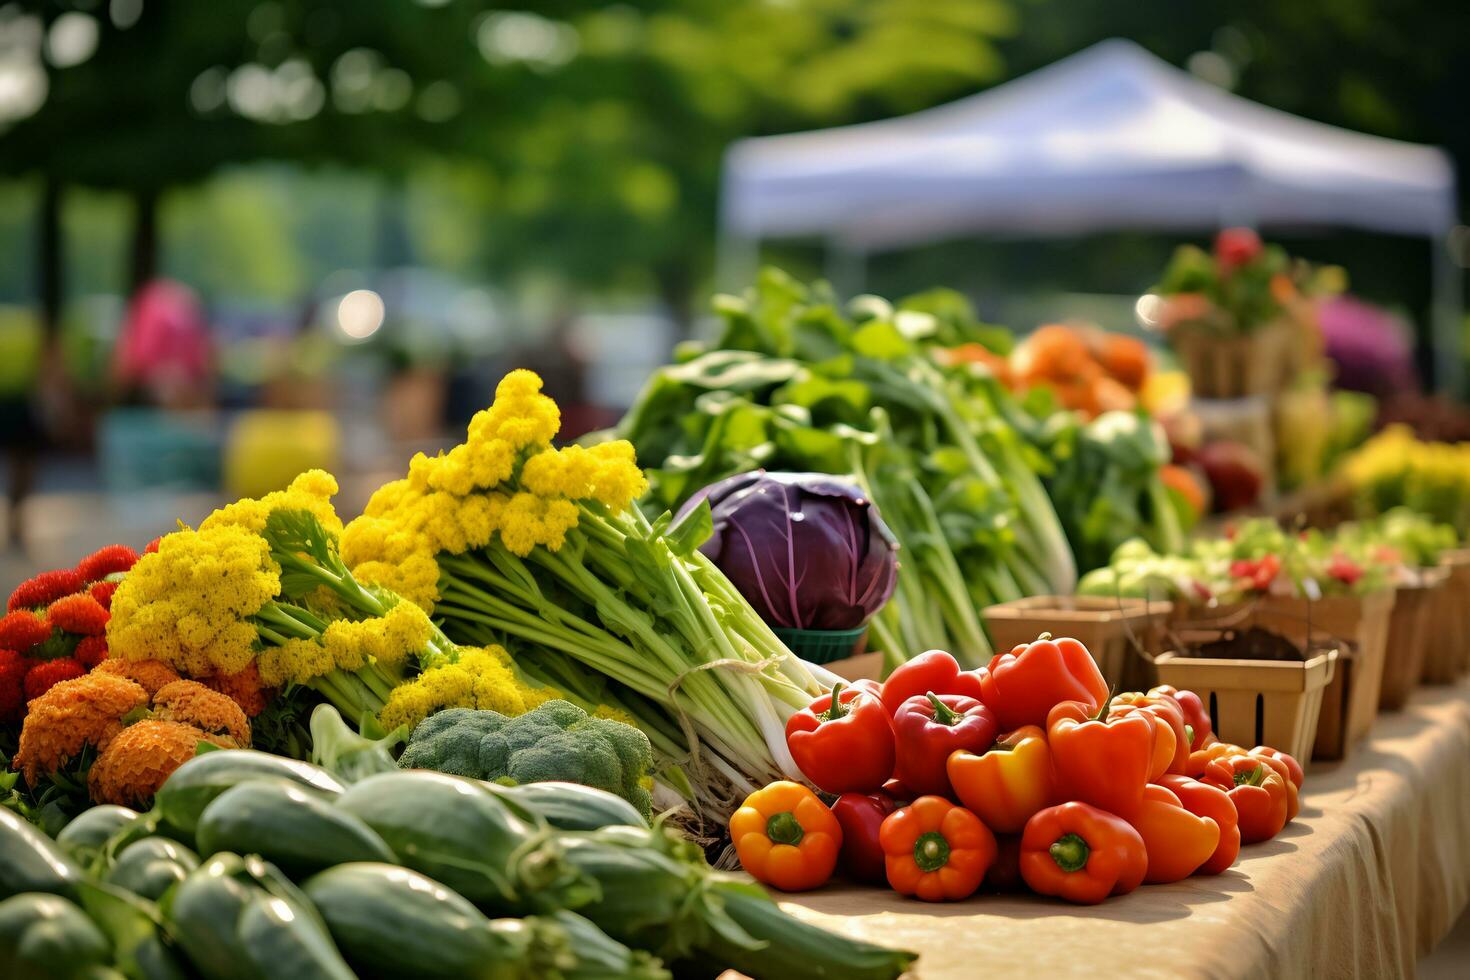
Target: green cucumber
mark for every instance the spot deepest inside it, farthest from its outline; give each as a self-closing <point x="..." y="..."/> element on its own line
<point x="195" y="784"/>
<point x="204" y="910"/>
<point x="287" y="825"/>
<point x="46" y="937"/>
<point x="32" y="862"/>
<point x="572" y="806"/>
<point x="393" y="922"/>
<point x="151" y="866"/>
<point x="283" y="939"/>
<point x="91" y="829"/>
<point x="467" y="838"/>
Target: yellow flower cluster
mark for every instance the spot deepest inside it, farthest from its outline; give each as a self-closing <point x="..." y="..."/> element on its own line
<point x="347" y="645"/>
<point x="461" y="499"/>
<point x="480" y="678"/>
<point x="1395" y="468"/>
<point x="312" y="491"/>
<point x="187" y="604"/>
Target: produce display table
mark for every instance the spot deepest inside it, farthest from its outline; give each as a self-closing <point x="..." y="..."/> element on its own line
<point x="1371" y="875"/>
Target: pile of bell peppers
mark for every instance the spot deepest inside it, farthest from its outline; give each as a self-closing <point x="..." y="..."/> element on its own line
<point x="1024" y="773"/>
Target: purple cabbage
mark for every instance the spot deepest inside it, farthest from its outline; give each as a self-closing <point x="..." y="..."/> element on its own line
<point x="807" y="550"/>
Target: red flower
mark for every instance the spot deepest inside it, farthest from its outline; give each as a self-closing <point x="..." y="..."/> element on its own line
<point x="102" y="592"/>
<point x="13" y="669"/>
<point x="152" y="545"/>
<point x="49" y="673"/>
<point x="91" y="651"/>
<point x="22" y="630"/>
<point x="1344" y="569"/>
<point x="44" y="589"/>
<point x="104" y="561"/>
<point x="79" y="614"/>
<point x="1234" y="247"/>
<point x="1256" y="573"/>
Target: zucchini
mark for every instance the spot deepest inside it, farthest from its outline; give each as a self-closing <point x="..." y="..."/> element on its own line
<point x="151" y="866"/>
<point x="572" y="806"/>
<point x="195" y="784"/>
<point x="287" y="825"/>
<point x="467" y="838"/>
<point x="393" y="922"/>
<point x="32" y="862"/>
<point x="86" y="834"/>
<point x="284" y="939"/>
<point x="204" y="910"/>
<point x="46" y="937"/>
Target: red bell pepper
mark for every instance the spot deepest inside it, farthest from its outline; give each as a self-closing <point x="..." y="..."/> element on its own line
<point x="1171" y="754"/>
<point x="1293" y="768"/>
<point x="1005" y="871"/>
<point x="1197" y="728"/>
<point x="1256" y="789"/>
<point x="861" y="815"/>
<point x="843" y="741"/>
<point x="1082" y="854"/>
<point x="1024" y="685"/>
<point x="1099" y="759"/>
<point x="1205" y="800"/>
<point x="1293" y="796"/>
<point x="934" y="671"/>
<point x="928" y="729"/>
<point x="1178" y="841"/>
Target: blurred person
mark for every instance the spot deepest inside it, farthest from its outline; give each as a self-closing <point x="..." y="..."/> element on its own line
<point x="164" y="356"/>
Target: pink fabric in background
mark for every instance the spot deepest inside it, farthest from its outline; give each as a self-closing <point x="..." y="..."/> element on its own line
<point x="164" y="340"/>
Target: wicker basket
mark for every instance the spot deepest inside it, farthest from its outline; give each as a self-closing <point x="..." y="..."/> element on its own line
<point x="1257" y="702"/>
<point x="1227" y="365"/>
<point x="1447" y="655"/>
<point x="1410" y="631"/>
<point x="1109" y="627"/>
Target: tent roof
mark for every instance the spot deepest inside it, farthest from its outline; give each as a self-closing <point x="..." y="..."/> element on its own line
<point x="1110" y="137"/>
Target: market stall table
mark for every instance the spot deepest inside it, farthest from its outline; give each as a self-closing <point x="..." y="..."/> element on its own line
<point x="1371" y="875"/>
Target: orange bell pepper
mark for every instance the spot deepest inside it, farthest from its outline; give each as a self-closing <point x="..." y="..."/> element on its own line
<point x="1200" y="759"/>
<point x="1197" y="728"/>
<point x="1293" y="796"/>
<point x="786" y="837"/>
<point x="1099" y="759"/>
<point x="1205" y="800"/>
<point x="1022" y="686"/>
<point x="935" y="850"/>
<point x="1177" y="841"/>
<point x="1080" y="853"/>
<point x="1008" y="782"/>
<point x="1293" y="767"/>
<point x="1257" y="790"/>
<point x="1171" y="748"/>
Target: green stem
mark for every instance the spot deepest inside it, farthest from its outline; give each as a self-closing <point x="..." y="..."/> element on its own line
<point x="784" y="828"/>
<point x="931" y="851"/>
<point x="1070" y="852"/>
<point x="943" y="713"/>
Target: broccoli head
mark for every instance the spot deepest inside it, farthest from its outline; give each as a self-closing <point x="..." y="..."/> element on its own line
<point x="555" y="741"/>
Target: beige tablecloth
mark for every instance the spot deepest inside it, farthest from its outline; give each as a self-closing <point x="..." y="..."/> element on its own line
<point x="1372" y="874"/>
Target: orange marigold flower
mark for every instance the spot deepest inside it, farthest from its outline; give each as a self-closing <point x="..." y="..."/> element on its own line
<point x="136" y="763"/>
<point x="13" y="669"/>
<point x="151" y="675"/>
<point x="23" y="629"/>
<point x="44" y="589"/>
<point x="48" y="673"/>
<point x="102" y="592"/>
<point x="245" y="688"/>
<point x="78" y="613"/>
<point x="70" y="716"/>
<point x="105" y="561"/>
<point x="191" y="703"/>
<point x="91" y="651"/>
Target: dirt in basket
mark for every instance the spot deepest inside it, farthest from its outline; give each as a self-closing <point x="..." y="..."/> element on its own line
<point x="1253" y="643"/>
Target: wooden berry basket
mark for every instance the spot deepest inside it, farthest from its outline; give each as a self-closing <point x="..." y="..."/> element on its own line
<point x="1447" y="654"/>
<point x="1359" y="626"/>
<point x="1109" y="627"/>
<point x="1257" y="702"/>
<point x="1410" y="632"/>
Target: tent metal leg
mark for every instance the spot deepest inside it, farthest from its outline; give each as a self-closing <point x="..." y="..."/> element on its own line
<point x="1447" y="319"/>
<point x="846" y="269"/>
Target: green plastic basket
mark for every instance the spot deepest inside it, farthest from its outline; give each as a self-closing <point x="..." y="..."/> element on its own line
<point x="824" y="646"/>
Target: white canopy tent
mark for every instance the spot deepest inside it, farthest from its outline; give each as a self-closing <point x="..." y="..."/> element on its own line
<point x="1109" y="138"/>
